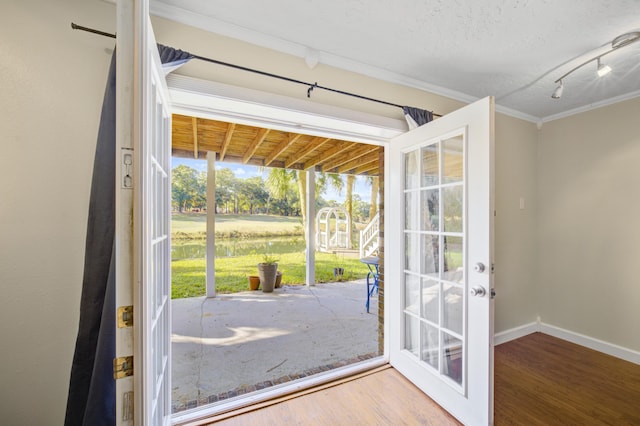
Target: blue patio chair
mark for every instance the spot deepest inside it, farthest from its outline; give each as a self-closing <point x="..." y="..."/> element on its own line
<point x="372" y="276"/>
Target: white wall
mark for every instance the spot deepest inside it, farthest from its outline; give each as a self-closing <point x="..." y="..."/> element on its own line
<point x="52" y="81"/>
<point x="515" y="248"/>
<point x="588" y="212"/>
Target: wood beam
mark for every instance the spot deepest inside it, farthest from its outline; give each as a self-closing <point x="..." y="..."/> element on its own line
<point x="360" y="161"/>
<point x="286" y="143"/>
<point x="194" y="127"/>
<point x="262" y="134"/>
<point x="227" y="140"/>
<point x="338" y="148"/>
<point x="309" y="148"/>
<point x="367" y="168"/>
<point x="349" y="156"/>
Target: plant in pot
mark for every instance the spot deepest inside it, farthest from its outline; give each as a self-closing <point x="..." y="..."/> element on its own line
<point x="267" y="270"/>
<point x="338" y="272"/>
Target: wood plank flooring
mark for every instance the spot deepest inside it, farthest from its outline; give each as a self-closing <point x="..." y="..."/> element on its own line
<point x="542" y="380"/>
<point x="539" y="380"/>
<point x="382" y="398"/>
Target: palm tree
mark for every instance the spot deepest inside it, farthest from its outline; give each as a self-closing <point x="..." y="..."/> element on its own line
<point x="348" y="203"/>
<point x="374" y="181"/>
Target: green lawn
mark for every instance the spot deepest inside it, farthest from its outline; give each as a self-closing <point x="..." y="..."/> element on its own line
<point x="188" y="276"/>
<point x="193" y="225"/>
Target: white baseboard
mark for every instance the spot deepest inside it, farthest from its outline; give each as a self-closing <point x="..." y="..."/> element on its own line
<point x="591" y="343"/>
<point x="515" y="333"/>
<point x="570" y="336"/>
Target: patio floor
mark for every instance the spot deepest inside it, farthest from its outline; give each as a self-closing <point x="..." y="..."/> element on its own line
<point x="237" y="343"/>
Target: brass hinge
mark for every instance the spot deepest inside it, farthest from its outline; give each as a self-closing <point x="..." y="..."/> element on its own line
<point x="122" y="367"/>
<point x="125" y="316"/>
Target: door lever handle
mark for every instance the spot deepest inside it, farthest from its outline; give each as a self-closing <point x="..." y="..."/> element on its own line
<point x="478" y="291"/>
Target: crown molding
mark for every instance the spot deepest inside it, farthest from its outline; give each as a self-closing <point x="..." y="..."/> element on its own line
<point x="592" y="106"/>
<point x="217" y="26"/>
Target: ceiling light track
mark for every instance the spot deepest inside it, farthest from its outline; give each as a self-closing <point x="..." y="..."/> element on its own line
<point x="310" y="86"/>
<point x="602" y="69"/>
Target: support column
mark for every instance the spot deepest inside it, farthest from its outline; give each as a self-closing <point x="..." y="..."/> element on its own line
<point x="310" y="231"/>
<point x="211" y="225"/>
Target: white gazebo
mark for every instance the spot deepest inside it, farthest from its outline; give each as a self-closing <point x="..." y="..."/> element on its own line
<point x="333" y="229"/>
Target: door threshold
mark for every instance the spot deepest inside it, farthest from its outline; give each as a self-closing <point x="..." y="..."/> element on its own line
<point x="246" y="404"/>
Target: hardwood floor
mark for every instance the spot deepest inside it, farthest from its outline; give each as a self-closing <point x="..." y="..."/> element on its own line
<point x="539" y="380"/>
<point x="542" y="380"/>
<point x="382" y="398"/>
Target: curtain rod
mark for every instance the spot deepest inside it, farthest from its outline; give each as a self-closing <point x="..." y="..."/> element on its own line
<point x="310" y="86"/>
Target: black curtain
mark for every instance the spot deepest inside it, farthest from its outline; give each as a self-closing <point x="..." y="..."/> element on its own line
<point x="416" y="117"/>
<point x="92" y="388"/>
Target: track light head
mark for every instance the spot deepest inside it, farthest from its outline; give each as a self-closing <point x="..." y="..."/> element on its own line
<point x="603" y="69"/>
<point x="558" y="92"/>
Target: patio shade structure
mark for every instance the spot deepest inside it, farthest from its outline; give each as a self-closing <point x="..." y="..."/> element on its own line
<point x="219" y="141"/>
<point x="193" y="137"/>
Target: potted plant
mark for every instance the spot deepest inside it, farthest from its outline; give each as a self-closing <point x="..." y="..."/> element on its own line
<point x="254" y="282"/>
<point x="338" y="272"/>
<point x="278" y="279"/>
<point x="267" y="270"/>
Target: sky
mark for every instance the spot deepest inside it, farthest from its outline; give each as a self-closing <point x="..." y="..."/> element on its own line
<point x="243" y="171"/>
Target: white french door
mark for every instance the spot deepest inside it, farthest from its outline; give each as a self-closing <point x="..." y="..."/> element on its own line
<point x="153" y="230"/>
<point x="143" y="200"/>
<point x="438" y="267"/>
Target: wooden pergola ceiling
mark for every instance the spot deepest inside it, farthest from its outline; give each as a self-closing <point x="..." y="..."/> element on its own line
<point x="236" y="143"/>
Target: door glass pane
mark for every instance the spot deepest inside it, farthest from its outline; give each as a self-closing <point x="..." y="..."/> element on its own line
<point x="430" y="300"/>
<point x="430" y="344"/>
<point x="452" y="159"/>
<point x="412" y="334"/>
<point x="453" y="259"/>
<point x="434" y="283"/>
<point x="430" y="255"/>
<point x="412" y="294"/>
<point x="452" y="357"/>
<point x="411" y="250"/>
<point x="452" y="208"/>
<point x="430" y="165"/>
<point x="452" y="308"/>
<point x="411" y="174"/>
<point x="430" y="210"/>
<point x="411" y="209"/>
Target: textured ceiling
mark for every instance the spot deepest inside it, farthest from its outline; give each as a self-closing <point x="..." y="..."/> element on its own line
<point x="513" y="50"/>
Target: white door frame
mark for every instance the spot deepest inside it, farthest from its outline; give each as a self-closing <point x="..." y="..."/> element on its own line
<point x="212" y="100"/>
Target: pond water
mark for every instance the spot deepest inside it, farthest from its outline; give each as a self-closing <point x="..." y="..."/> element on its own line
<point x="194" y="249"/>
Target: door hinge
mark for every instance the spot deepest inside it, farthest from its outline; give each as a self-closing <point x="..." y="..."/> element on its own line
<point x="122" y="367"/>
<point x="125" y="316"/>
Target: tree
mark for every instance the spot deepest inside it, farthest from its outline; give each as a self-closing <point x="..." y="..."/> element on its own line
<point x="184" y="183"/>
<point x="348" y="202"/>
<point x="226" y="183"/>
<point x="279" y="183"/>
<point x="374" y="181"/>
<point x="252" y="194"/>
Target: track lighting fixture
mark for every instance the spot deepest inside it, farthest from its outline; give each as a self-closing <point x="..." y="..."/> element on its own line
<point x="558" y="92"/>
<point x="602" y="69"/>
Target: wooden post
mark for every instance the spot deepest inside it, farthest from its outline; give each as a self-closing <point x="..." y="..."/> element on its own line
<point x="211" y="225"/>
<point x="310" y="226"/>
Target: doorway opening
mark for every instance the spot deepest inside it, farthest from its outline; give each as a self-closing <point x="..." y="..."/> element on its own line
<point x="240" y="342"/>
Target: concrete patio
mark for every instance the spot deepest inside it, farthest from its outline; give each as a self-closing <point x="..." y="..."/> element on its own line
<point x="237" y="343"/>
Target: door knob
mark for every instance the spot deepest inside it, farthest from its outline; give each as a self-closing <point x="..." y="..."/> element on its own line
<point x="478" y="267"/>
<point x="478" y="291"/>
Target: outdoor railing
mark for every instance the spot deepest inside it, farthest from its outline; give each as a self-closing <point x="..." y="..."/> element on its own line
<point x="369" y="237"/>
